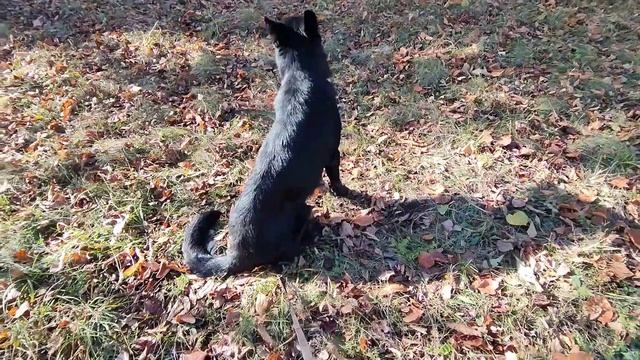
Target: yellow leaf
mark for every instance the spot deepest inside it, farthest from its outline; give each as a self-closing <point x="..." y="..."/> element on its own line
<point x="133" y="269"/>
<point x="518" y="218"/>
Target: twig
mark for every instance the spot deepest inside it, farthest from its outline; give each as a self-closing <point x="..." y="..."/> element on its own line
<point x="305" y="349"/>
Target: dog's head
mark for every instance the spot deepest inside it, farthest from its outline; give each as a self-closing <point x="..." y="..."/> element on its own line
<point x="297" y="36"/>
<point x="295" y="32"/>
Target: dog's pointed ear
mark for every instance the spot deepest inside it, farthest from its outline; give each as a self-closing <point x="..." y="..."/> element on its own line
<point x="277" y="31"/>
<point x="311" y="25"/>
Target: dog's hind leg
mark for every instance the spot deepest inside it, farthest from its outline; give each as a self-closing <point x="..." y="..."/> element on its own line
<point x="333" y="172"/>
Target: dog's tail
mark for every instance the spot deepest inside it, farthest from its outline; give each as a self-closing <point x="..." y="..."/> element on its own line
<point x="196" y="247"/>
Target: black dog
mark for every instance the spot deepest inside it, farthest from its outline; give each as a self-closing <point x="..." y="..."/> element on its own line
<point x="266" y="223"/>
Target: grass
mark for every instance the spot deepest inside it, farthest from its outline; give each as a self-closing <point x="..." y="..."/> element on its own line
<point x="169" y="111"/>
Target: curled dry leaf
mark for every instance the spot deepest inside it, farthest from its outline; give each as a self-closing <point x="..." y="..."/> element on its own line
<point x="634" y="236"/>
<point x="487" y="285"/>
<point x="263" y="304"/>
<point x="22" y="256"/>
<point x="133" y="269"/>
<point x="363" y="220"/>
<point x="427" y="259"/>
<point x="579" y="355"/>
<point x="620" y="270"/>
<point x="448" y="225"/>
<point x="504" y="141"/>
<point x="413" y="316"/>
<point x="464" y="329"/>
<point x="518" y="203"/>
<point x="186" y="318"/>
<point x="619" y="182"/>
<point x="504" y="246"/>
<point x="598" y="307"/>
<point x="588" y="196"/>
<point x="195" y="355"/>
<point x="390" y="289"/>
<point x="79" y="257"/>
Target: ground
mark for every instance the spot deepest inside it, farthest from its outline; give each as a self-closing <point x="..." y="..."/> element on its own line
<point x="494" y="144"/>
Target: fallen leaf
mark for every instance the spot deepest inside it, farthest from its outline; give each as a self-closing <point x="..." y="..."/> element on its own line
<point x="427" y="259"/>
<point x="195" y="355"/>
<point x="588" y="196"/>
<point x="504" y="246"/>
<point x="598" y="307"/>
<point x="427" y="237"/>
<point x="346" y="230"/>
<point x="22" y="310"/>
<point x="67" y="108"/>
<point x="79" y="257"/>
<point x="464" y="329"/>
<point x="504" y="141"/>
<point x="22" y="256"/>
<point x="274" y="355"/>
<point x="531" y="231"/>
<point x="392" y="288"/>
<point x="263" y="304"/>
<point x="413" y="316"/>
<point x="580" y="355"/>
<point x="517" y="203"/>
<point x="526" y="272"/>
<point x="446" y="291"/>
<point x="485" y="137"/>
<point x="468" y="150"/>
<point x="620" y="270"/>
<point x="447" y="225"/>
<point x="487" y="285"/>
<point x="363" y="344"/>
<point x="619" y="182"/>
<point x="186" y="318"/>
<point x="519" y="218"/>
<point x="634" y="236"/>
<point x="363" y="220"/>
<point x="133" y="269"/>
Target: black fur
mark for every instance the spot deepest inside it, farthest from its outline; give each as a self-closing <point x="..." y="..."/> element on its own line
<point x="266" y="223"/>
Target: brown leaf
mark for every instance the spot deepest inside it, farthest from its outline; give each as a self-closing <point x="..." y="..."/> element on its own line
<point x="427" y="237"/>
<point x="363" y="220"/>
<point x="427" y="259"/>
<point x="79" y="257"/>
<point x="67" y="108"/>
<point x="487" y="285"/>
<point x="588" y="196"/>
<point x="392" y="288"/>
<point x="486" y="137"/>
<point x="413" y="316"/>
<point x="504" y="141"/>
<point x="186" y="318"/>
<point x="598" y="307"/>
<point x="232" y="317"/>
<point x="569" y="211"/>
<point x="263" y="304"/>
<point x="22" y="256"/>
<point x="195" y="355"/>
<point x="363" y="344"/>
<point x="274" y="355"/>
<point x="620" y="270"/>
<point x="634" y="236"/>
<point x="580" y="355"/>
<point x="619" y="182"/>
<point x="464" y="329"/>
